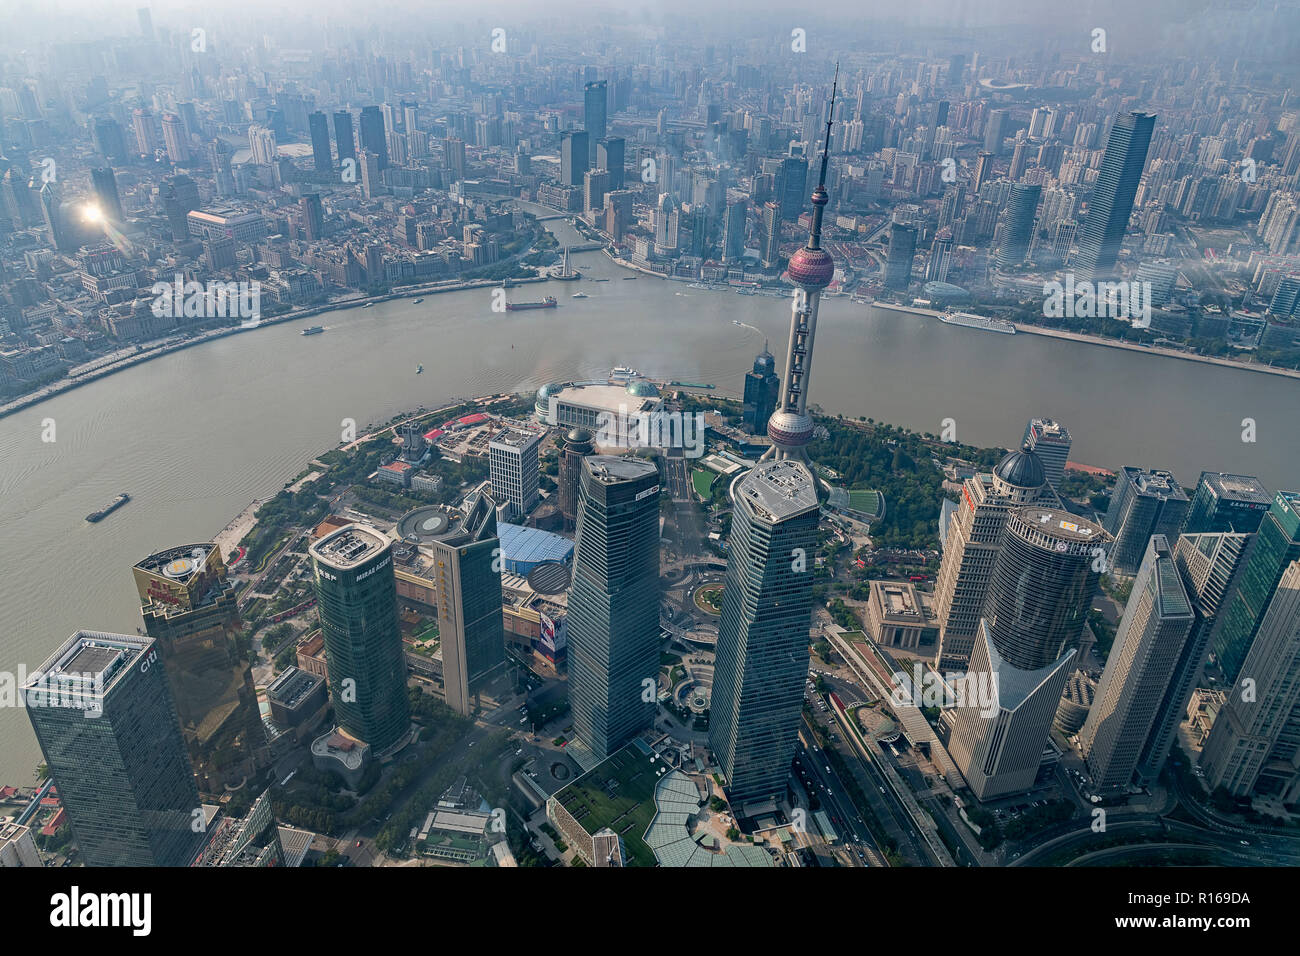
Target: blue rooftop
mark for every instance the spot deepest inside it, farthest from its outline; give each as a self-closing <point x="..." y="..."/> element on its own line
<point x="523" y="548"/>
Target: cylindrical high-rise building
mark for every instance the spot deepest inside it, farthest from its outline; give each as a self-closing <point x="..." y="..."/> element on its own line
<point x="578" y="444"/>
<point x="614" y="603"/>
<point x="1046" y="573"/>
<point x="356" y="594"/>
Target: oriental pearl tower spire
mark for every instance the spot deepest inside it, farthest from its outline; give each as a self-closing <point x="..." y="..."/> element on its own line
<point x="810" y="270"/>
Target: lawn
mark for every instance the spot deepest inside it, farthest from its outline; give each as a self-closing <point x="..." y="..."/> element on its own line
<point x="618" y="794"/>
<point x="702" y="481"/>
<point x="867" y="502"/>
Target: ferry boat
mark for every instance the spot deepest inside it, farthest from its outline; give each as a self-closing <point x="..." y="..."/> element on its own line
<point x="367" y="305"/>
<point x="547" y="303"/>
<point x="966" y="320"/>
<point x="417" y="301"/>
<point x="109" y="508"/>
<point x="580" y="295"/>
<point x="419" y="369"/>
<point x="314" y="330"/>
<point x="622" y="373"/>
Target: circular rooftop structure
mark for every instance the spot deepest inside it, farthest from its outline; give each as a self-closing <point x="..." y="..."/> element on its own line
<point x="642" y="389"/>
<point x="790" y="429"/>
<point x="550" y="577"/>
<point x="423" y="524"/>
<point x="579" y="436"/>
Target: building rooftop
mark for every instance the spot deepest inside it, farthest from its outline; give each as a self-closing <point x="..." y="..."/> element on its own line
<point x="1062" y="525"/>
<point x="611" y="469"/>
<point x="97" y="656"/>
<point x="1237" y="487"/>
<point x="292" y="686"/>
<point x="778" y="489"/>
<point x="513" y="438"/>
<point x="530" y="545"/>
<point x="349" y="546"/>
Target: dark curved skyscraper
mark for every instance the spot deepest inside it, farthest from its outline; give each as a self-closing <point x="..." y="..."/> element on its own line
<point x="577" y="446"/>
<point x="356" y="595"/>
<point x="762" y="388"/>
<point x="1111" y="201"/>
<point x="1018" y="229"/>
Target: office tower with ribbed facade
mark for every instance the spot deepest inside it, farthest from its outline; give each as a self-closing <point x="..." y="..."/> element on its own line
<point x="1142" y="503"/>
<point x="374" y="137"/>
<point x="974" y="537"/>
<point x="190" y="608"/>
<point x="1111" y="201"/>
<point x="762" y="649"/>
<point x="1275" y="545"/>
<point x="1155" y="627"/>
<point x="513" y="468"/>
<point x="470" y="624"/>
<point x="1043" y="582"/>
<point x="1050" y="441"/>
<point x="614" y="603"/>
<point x="104" y="718"/>
<point x="356" y="595"/>
<point x="1208" y="565"/>
<point x="1254" y="745"/>
<point x="1224" y="502"/>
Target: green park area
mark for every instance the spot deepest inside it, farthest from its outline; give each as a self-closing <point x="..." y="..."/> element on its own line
<point x="702" y="481"/>
<point x="864" y="501"/>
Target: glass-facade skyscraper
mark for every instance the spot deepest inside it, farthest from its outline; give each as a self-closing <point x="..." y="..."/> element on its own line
<point x="594" y="102"/>
<point x="470" y="623"/>
<point x="1276" y="545"/>
<point x="1019" y="225"/>
<point x="762" y="650"/>
<point x="1149" y="642"/>
<point x="374" y="138"/>
<point x="356" y="594"/>
<point x="614" y="603"/>
<point x="1227" y="503"/>
<point x="103" y="715"/>
<point x="762" y="391"/>
<point x="189" y="607"/>
<point x="1111" y="201"/>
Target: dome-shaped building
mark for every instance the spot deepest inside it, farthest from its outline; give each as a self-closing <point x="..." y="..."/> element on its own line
<point x="642" y="388"/>
<point x="1019" y="477"/>
<point x="542" y="406"/>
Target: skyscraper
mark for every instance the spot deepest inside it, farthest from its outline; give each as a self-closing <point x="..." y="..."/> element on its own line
<point x="105" y="186"/>
<point x="614" y="603"/>
<point x="577" y="446"/>
<point x="1043" y="583"/>
<point x="512" y="466"/>
<point x="771" y="251"/>
<point x="470" y="624"/>
<point x="594" y="99"/>
<point x="1275" y="546"/>
<point x="936" y="269"/>
<point x="791" y="184"/>
<point x="810" y="270"/>
<point x="1111" y="201"/>
<point x="611" y="156"/>
<point x="898" y="262"/>
<point x="1142" y="503"/>
<point x="103" y="715"/>
<point x="1252" y="748"/>
<point x="343" y="137"/>
<point x="995" y="131"/>
<point x="1227" y="503"/>
<point x="1156" y="625"/>
<point x="1018" y="228"/>
<point x="574" y="160"/>
<point x="374" y="137"/>
<point x="983" y="169"/>
<point x="971" y="549"/>
<point x="1208" y="565"/>
<point x="762" y="650"/>
<point x="190" y="609"/>
<point x="762" y="389"/>
<point x="733" y="231"/>
<point x="1050" y="441"/>
<point x="356" y="594"/>
<point x="319" y="126"/>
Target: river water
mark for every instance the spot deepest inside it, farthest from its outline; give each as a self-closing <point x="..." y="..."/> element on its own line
<point x="194" y="436"/>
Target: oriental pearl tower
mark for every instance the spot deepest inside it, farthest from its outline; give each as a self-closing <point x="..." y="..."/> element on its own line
<point x="810" y="270"/>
